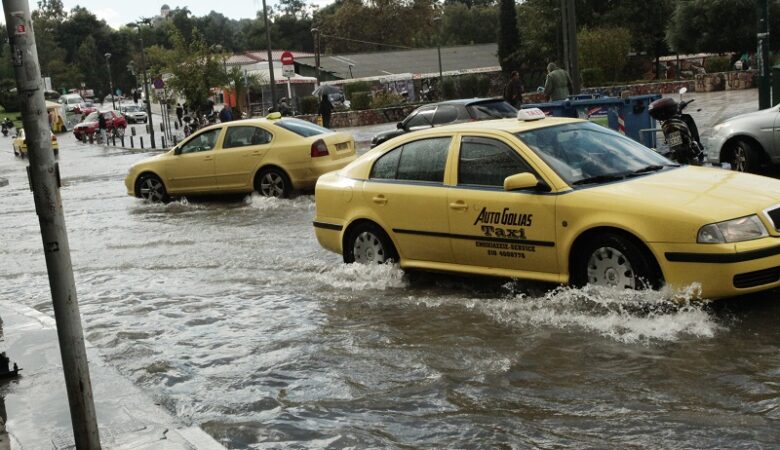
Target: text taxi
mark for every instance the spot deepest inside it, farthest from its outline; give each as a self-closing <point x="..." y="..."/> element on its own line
<point x="557" y="200"/>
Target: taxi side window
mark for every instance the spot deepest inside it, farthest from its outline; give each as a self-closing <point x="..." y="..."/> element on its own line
<point x="246" y="136"/>
<point x="202" y="142"/>
<point x="486" y="162"/>
<point x="422" y="160"/>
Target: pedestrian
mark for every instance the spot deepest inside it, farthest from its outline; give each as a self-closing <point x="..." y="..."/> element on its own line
<point x="179" y="113"/>
<point x="136" y="96"/>
<point x="102" y="127"/>
<point x="226" y="115"/>
<point x="558" y="84"/>
<point x="513" y="91"/>
<point x="326" y="108"/>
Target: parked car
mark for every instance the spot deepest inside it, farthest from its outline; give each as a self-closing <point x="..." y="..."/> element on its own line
<point x="449" y="112"/>
<point x="271" y="156"/>
<point x="111" y="97"/>
<point x="556" y="200"/>
<point x="20" y="144"/>
<point x="72" y="102"/>
<point x="743" y="141"/>
<point x="115" y="123"/>
<point x="133" y="113"/>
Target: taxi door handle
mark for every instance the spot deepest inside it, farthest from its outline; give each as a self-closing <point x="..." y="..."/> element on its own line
<point x="379" y="199"/>
<point x="208" y="158"/>
<point x="459" y="205"/>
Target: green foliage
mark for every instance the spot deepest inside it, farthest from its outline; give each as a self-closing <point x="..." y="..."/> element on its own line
<point x="716" y="64"/>
<point x="604" y="48"/>
<point x="357" y="86"/>
<point x="508" y="35"/>
<point x="309" y="104"/>
<point x="472" y="85"/>
<point x="9" y="100"/>
<point x="360" y="100"/>
<point x="195" y="70"/>
<point x="383" y="99"/>
<point x="463" y="25"/>
<point x="592" y="77"/>
<point x="447" y="89"/>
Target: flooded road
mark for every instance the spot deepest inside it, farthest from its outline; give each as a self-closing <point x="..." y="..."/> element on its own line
<point x="231" y="315"/>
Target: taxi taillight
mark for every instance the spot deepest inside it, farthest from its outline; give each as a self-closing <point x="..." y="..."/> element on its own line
<point x="318" y="148"/>
<point x="53" y="138"/>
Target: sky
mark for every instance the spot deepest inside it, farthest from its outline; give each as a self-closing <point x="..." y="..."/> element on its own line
<point x="118" y="13"/>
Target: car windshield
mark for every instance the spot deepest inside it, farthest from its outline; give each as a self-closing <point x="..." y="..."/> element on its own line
<point x="493" y="109"/>
<point x="132" y="108"/>
<point x="585" y="153"/>
<point x="301" y="127"/>
<point x="92" y="117"/>
<point x="73" y="100"/>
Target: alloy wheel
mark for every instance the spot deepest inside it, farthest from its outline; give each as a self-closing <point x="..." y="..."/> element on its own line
<point x="152" y="189"/>
<point x="272" y="185"/>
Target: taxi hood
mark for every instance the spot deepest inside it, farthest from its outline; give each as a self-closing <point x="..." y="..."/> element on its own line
<point x="710" y="194"/>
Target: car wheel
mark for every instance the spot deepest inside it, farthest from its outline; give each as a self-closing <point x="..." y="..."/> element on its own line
<point x="151" y="188"/>
<point x="368" y="244"/>
<point x="615" y="261"/>
<point x="744" y="157"/>
<point x="273" y="183"/>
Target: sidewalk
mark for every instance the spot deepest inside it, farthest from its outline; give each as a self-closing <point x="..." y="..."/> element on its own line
<point x="36" y="403"/>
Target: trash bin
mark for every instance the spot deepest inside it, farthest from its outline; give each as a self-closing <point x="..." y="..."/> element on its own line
<point x="638" y="124"/>
<point x="560" y="108"/>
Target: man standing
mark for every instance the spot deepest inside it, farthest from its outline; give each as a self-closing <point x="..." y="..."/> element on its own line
<point x="513" y="91"/>
<point x="179" y="113"/>
<point x="558" y="83"/>
<point x="326" y="108"/>
<point x="102" y="127"/>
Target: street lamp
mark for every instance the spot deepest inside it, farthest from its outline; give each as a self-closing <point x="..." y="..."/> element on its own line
<point x="438" y="43"/>
<point x="110" y="81"/>
<point x="146" y="82"/>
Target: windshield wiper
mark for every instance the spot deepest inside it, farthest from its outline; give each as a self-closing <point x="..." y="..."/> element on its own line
<point x="650" y="168"/>
<point x="600" y="179"/>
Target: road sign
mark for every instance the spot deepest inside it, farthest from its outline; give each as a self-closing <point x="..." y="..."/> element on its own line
<point x="158" y="83"/>
<point x="288" y="71"/>
<point x="287" y="59"/>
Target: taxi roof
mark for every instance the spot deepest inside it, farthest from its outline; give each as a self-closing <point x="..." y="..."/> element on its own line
<point x="510" y="125"/>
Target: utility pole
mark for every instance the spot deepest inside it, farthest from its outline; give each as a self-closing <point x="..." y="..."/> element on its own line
<point x="569" y="28"/>
<point x="44" y="177"/>
<point x="316" y="33"/>
<point x="110" y="80"/>
<point x="762" y="56"/>
<point x="270" y="56"/>
<point x="146" y="81"/>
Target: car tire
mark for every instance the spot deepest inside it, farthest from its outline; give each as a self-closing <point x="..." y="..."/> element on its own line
<point x="367" y="243"/>
<point x="615" y="261"/>
<point x="743" y="157"/>
<point x="272" y="182"/>
<point x="151" y="188"/>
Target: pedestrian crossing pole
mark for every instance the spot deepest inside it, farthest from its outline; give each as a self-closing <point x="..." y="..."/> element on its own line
<point x="44" y="178"/>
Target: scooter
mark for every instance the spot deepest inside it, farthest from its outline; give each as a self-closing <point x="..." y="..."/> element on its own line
<point x="680" y="131"/>
<point x="6" y="127"/>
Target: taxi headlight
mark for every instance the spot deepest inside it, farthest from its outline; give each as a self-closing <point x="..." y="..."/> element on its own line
<point x="735" y="230"/>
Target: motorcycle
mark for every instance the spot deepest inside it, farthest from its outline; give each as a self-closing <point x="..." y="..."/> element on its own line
<point x="680" y="131"/>
<point x="190" y="125"/>
<point x="6" y="127"/>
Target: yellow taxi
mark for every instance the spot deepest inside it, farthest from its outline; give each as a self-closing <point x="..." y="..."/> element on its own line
<point x="20" y="144"/>
<point x="555" y="200"/>
<point x="271" y="155"/>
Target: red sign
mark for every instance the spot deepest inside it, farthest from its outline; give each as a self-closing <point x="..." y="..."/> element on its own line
<point x="287" y="59"/>
<point x="20" y="29"/>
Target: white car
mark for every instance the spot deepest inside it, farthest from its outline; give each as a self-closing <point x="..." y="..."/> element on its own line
<point x="747" y="141"/>
<point x="133" y="113"/>
<point x="71" y="101"/>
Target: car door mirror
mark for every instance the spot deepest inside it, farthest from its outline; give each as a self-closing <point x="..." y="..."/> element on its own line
<point x="524" y="180"/>
<point x="400" y="125"/>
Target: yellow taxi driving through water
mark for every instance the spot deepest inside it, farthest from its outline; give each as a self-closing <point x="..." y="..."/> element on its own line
<point x="555" y="200"/>
<point x="272" y="156"/>
<point x="19" y="144"/>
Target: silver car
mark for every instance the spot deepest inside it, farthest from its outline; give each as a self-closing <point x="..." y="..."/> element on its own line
<point x="747" y="141"/>
<point x="133" y="113"/>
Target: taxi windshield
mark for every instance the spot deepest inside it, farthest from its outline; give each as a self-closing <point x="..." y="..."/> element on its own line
<point x="585" y="153"/>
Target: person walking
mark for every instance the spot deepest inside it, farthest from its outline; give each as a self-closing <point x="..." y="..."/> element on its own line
<point x="326" y="108"/>
<point x="102" y="126"/>
<point x="226" y="115"/>
<point x="179" y="113"/>
<point x="558" y="85"/>
<point x="513" y="91"/>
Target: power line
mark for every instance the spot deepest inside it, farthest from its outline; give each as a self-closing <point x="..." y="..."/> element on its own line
<point x="366" y="42"/>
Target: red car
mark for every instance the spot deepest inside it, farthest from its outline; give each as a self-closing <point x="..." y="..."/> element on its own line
<point x="115" y="123"/>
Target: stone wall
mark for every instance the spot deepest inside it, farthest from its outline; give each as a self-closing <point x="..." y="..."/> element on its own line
<point x="726" y="81"/>
<point x="664" y="87"/>
<point x="366" y="117"/>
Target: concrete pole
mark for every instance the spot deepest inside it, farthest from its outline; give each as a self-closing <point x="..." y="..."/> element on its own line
<point x="148" y="100"/>
<point x="44" y="177"/>
<point x="569" y="28"/>
<point x="316" y="33"/>
<point x="270" y="56"/>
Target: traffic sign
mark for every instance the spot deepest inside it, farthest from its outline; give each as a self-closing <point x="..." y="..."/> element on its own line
<point x="158" y="83"/>
<point x="287" y="59"/>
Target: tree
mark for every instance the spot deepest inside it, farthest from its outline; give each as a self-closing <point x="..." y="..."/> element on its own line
<point x="508" y="34"/>
<point x="195" y="69"/>
<point x="605" y="49"/>
<point x="713" y="26"/>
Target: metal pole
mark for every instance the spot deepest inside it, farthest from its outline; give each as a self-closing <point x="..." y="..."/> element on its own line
<point x="316" y="33"/>
<point x="44" y="180"/>
<point x="270" y="57"/>
<point x="146" y="88"/>
<point x="569" y="28"/>
<point x="248" y="97"/>
<point x="762" y="56"/>
<point x="110" y="81"/>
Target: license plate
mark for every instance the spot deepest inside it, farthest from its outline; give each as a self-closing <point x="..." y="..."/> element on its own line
<point x="675" y="139"/>
<point x="342" y="146"/>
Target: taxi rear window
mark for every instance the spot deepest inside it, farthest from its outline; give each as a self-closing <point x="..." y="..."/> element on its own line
<point x="301" y="127"/>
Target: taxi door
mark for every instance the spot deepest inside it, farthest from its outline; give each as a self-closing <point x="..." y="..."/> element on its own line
<point x="491" y="227"/>
<point x="407" y="194"/>
<point x="192" y="168"/>
<point x="242" y="150"/>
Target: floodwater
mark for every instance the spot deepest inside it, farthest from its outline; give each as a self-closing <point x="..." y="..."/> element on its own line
<point x="230" y="314"/>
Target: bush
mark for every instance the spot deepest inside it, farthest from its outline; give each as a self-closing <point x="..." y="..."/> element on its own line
<point x="309" y="104"/>
<point x="383" y="99"/>
<point x="361" y="100"/>
<point x="447" y="88"/>
<point x="592" y="77"/>
<point x="606" y="49"/>
<point x="716" y="64"/>
<point x="358" y="86"/>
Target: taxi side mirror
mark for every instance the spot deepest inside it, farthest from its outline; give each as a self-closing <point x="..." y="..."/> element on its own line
<point x="524" y="180"/>
<point x="400" y="125"/>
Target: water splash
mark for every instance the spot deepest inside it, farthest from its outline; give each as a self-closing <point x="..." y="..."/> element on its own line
<point x="303" y="202"/>
<point x="359" y="277"/>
